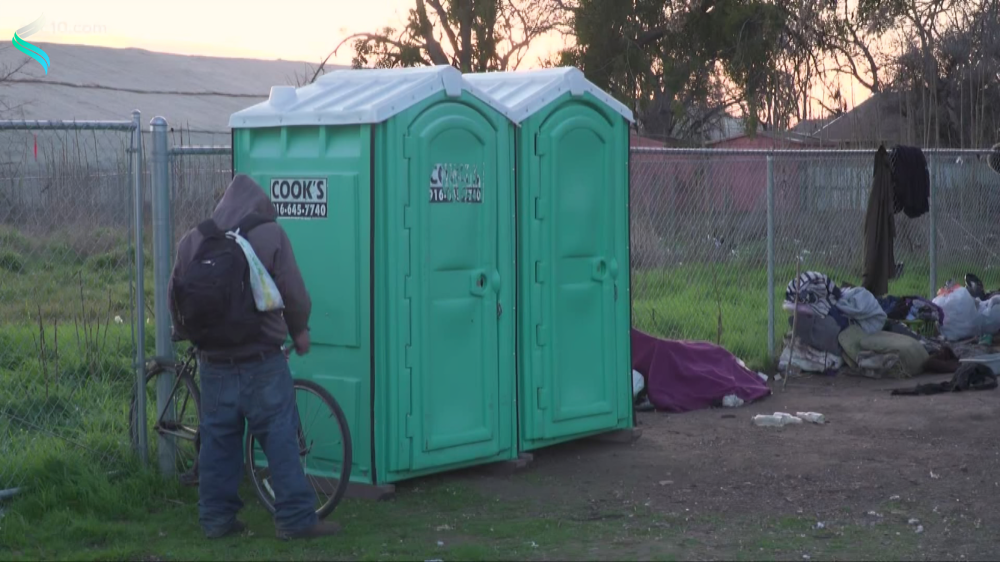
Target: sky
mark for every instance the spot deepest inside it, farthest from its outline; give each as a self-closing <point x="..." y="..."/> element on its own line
<point x="301" y="30"/>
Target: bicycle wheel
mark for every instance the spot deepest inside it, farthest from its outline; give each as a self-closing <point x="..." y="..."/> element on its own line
<point x="324" y="449"/>
<point x="181" y="427"/>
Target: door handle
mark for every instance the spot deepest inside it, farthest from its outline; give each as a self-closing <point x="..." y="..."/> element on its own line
<point x="599" y="269"/>
<point x="613" y="268"/>
<point x="479" y="282"/>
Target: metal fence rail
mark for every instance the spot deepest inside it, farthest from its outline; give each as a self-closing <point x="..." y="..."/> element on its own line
<point x="198" y="177"/>
<point x="71" y="254"/>
<point x="716" y="233"/>
<point x="715" y="237"/>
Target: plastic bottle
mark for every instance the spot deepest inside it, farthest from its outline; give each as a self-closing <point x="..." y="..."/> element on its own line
<point x="811" y="417"/>
<point x="732" y="401"/>
<point x="778" y="419"/>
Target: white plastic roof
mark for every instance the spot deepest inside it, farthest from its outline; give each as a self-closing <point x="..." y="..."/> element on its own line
<point x="357" y="96"/>
<point x="525" y="92"/>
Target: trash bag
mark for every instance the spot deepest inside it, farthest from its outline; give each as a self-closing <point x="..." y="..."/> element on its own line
<point x="638" y="383"/>
<point x="990" y="312"/>
<point x="265" y="292"/>
<point x="962" y="319"/>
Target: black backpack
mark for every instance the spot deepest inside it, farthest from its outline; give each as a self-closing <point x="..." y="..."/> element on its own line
<point x="214" y="300"/>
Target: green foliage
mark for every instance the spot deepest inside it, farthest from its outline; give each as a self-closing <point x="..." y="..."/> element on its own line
<point x="473" y="36"/>
<point x="668" y="58"/>
<point x="11" y="261"/>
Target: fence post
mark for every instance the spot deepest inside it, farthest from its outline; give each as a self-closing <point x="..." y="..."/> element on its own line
<point x="932" y="243"/>
<point x="770" y="257"/>
<point x="161" y="277"/>
<point x="139" y="317"/>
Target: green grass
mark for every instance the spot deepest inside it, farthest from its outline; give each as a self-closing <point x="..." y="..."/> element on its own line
<point x="67" y="277"/>
<point x="66" y="345"/>
<point x="72" y="510"/>
<point x="65" y="360"/>
<point x="683" y="302"/>
<point x="64" y="429"/>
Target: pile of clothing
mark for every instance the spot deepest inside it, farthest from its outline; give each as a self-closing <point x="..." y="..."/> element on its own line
<point x="833" y="326"/>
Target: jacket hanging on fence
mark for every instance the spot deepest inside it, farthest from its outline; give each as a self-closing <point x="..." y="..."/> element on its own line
<point x="879" y="229"/>
<point x="911" y="181"/>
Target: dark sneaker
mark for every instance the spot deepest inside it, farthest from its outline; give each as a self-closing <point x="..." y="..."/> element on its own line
<point x="319" y="530"/>
<point x="236" y="528"/>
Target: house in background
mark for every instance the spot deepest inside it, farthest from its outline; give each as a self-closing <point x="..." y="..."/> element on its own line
<point x="196" y="93"/>
<point x="811" y="126"/>
<point x="51" y="172"/>
<point x="878" y="120"/>
<point x="766" y="140"/>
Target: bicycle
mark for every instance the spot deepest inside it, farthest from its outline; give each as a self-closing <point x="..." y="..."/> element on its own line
<point x="179" y="426"/>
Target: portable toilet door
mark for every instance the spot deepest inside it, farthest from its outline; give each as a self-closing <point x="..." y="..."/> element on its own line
<point x="409" y="262"/>
<point x="574" y="309"/>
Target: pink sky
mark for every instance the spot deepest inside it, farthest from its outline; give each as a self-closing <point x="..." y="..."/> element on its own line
<point x="304" y="30"/>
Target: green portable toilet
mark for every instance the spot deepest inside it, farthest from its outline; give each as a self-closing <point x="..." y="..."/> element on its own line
<point x="406" y="246"/>
<point x="574" y="309"/>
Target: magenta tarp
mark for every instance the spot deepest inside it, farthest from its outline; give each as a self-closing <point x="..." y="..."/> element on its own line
<point x="682" y="376"/>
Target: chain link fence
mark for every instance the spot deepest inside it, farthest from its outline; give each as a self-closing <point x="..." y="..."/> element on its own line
<point x="199" y="176"/>
<point x="699" y="247"/>
<point x="968" y="204"/>
<point x="68" y="331"/>
<point x="700" y="231"/>
<point x="700" y="235"/>
<point x="716" y="236"/>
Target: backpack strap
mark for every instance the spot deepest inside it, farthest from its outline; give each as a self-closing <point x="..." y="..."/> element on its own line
<point x="250" y="222"/>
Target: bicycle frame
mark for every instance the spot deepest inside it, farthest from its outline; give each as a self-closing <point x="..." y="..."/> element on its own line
<point x="174" y="427"/>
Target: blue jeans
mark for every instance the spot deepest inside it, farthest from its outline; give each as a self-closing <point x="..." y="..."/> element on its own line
<point x="258" y="394"/>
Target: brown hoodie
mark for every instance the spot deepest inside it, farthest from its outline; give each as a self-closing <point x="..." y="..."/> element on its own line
<point x="273" y="248"/>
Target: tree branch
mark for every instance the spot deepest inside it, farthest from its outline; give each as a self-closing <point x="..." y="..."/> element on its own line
<point x="431" y="44"/>
<point x="443" y="21"/>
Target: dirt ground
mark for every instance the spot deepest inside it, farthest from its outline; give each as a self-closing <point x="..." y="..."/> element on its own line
<point x="911" y="477"/>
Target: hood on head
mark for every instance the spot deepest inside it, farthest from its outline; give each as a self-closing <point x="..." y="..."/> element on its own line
<point x="243" y="197"/>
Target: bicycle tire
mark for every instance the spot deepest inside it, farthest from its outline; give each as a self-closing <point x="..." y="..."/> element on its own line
<point x="155" y="370"/>
<point x="348" y="457"/>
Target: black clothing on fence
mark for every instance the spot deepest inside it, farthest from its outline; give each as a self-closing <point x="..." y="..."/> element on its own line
<point x="879" y="229"/>
<point x="911" y="181"/>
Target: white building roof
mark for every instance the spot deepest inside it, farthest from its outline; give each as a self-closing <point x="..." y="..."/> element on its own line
<point x="100" y="83"/>
<point x="357" y="96"/>
<point x="525" y="92"/>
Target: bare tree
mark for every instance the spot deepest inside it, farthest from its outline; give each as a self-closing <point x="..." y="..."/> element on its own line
<point x="471" y="35"/>
<point x="8" y="74"/>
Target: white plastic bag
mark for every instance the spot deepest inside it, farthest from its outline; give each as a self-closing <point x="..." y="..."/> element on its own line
<point x="265" y="292"/>
<point x="990" y="312"/>
<point x="961" y="315"/>
<point x="638" y="383"/>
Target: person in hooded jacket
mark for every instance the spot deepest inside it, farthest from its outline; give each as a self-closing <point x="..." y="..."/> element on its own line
<point x="252" y="384"/>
